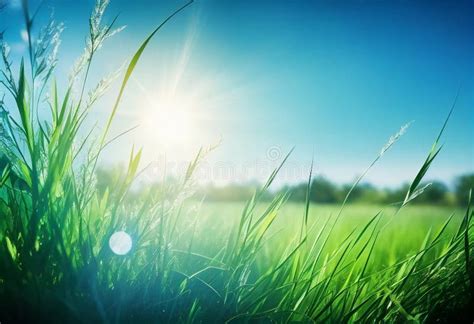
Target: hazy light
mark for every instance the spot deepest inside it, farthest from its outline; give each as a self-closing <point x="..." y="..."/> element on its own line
<point x="169" y="121"/>
<point x="172" y="105"/>
<point x="120" y="243"/>
<point x="24" y="35"/>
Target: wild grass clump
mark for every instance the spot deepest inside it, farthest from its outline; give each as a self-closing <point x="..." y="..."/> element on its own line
<point x="56" y="265"/>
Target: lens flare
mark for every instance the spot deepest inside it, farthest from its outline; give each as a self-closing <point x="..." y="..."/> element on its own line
<point x="120" y="243"/>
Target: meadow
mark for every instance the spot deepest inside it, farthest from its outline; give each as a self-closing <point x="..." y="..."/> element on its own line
<point x="259" y="261"/>
<point x="403" y="234"/>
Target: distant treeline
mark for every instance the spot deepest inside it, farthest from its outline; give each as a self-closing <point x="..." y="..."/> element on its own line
<point x="322" y="190"/>
<point x="326" y="191"/>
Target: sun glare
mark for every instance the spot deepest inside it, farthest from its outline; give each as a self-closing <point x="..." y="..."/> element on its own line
<point x="168" y="121"/>
<point x="120" y="243"/>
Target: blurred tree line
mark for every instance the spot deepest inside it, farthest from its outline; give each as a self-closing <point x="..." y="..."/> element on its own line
<point x="327" y="192"/>
<point x="323" y="190"/>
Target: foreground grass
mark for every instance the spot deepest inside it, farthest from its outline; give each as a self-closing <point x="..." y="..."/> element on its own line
<point x="274" y="262"/>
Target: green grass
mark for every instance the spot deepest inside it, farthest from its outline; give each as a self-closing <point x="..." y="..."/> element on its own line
<point x="266" y="262"/>
<point x="401" y="237"/>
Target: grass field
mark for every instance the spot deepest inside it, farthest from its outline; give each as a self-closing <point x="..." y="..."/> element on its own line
<point x="403" y="234"/>
<point x="197" y="262"/>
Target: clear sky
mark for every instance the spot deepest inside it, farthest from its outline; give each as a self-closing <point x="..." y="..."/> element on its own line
<point x="335" y="79"/>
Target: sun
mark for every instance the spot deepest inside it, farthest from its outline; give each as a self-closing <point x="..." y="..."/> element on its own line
<point x="168" y="120"/>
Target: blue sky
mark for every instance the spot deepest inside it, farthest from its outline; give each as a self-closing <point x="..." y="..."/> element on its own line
<point x="335" y="79"/>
